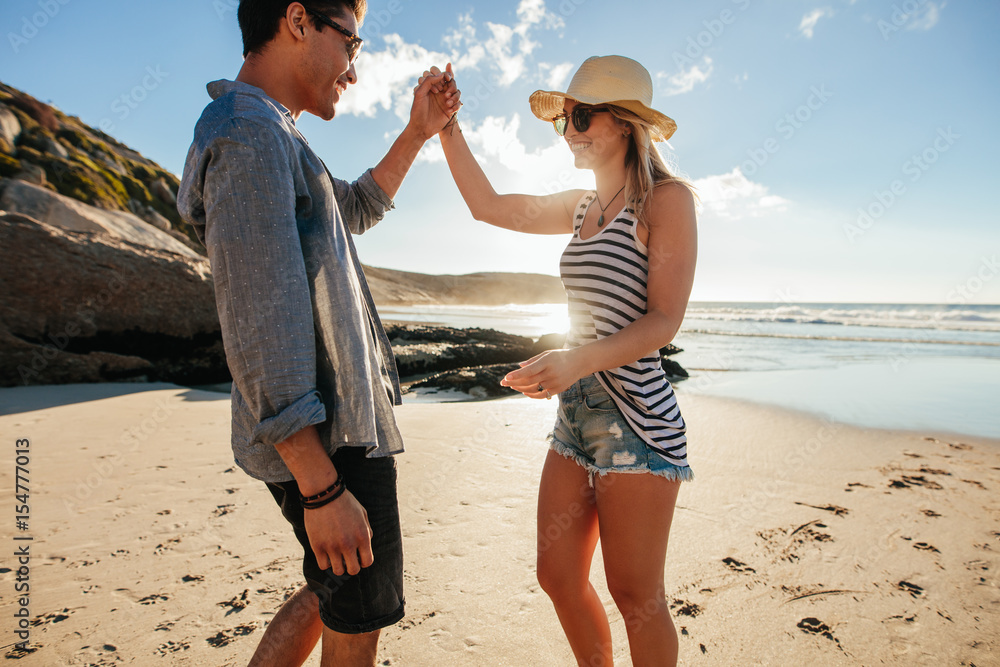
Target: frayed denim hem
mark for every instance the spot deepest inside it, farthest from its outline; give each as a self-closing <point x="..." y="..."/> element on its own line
<point x="675" y="474"/>
<point x="569" y="453"/>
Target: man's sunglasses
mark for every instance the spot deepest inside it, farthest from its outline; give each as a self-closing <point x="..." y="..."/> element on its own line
<point x="581" y="119"/>
<point x="354" y="42"/>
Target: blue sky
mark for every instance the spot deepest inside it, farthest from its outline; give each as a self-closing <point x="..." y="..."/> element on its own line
<point x="844" y="150"/>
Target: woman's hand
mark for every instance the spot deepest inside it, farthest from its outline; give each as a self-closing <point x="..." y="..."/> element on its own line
<point x="547" y="374"/>
<point x="436" y="99"/>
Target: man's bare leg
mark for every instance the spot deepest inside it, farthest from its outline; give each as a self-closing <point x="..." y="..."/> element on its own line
<point x="340" y="650"/>
<point x="293" y="633"/>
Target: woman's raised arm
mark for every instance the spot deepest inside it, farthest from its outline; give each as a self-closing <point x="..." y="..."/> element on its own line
<point x="548" y="214"/>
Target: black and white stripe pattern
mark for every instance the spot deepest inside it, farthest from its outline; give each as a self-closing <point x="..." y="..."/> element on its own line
<point x="605" y="280"/>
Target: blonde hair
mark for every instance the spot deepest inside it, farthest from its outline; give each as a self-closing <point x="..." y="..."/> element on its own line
<point x="645" y="168"/>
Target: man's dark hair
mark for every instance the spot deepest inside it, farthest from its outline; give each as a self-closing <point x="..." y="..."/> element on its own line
<point x="259" y="18"/>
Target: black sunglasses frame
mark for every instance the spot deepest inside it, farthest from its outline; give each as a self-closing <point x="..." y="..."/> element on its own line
<point x="354" y="43"/>
<point x="581" y="119"/>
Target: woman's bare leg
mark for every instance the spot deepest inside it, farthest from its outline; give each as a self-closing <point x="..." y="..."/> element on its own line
<point x="634" y="513"/>
<point x="567" y="538"/>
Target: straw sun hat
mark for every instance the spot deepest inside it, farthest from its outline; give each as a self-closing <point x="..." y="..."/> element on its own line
<point x="608" y="80"/>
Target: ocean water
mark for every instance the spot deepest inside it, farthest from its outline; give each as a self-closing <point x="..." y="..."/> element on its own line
<point x="918" y="367"/>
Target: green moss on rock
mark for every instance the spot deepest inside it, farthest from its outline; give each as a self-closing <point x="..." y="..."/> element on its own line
<point x="27" y="122"/>
<point x="9" y="166"/>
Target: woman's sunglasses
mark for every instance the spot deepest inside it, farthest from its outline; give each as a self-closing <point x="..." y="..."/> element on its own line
<point x="354" y="42"/>
<point x="581" y="119"/>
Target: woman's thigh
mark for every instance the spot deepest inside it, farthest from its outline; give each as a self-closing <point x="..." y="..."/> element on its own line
<point x="567" y="519"/>
<point x="635" y="512"/>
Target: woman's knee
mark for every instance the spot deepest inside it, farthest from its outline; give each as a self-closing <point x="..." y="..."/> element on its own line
<point x="637" y="598"/>
<point x="557" y="580"/>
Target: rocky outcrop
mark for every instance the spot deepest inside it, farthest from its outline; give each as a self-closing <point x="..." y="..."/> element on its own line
<point x="54" y="209"/>
<point x="423" y="349"/>
<point x="473" y="361"/>
<point x="84" y="163"/>
<point x="10" y="127"/>
<point x="85" y="306"/>
<point x="478" y="382"/>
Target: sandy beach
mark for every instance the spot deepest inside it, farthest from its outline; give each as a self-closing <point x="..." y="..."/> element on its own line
<point x="801" y="542"/>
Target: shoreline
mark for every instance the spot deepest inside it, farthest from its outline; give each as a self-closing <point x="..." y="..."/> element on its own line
<point x="799" y="542"/>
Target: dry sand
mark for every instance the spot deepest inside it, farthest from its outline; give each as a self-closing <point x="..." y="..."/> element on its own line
<point x="802" y="542"/>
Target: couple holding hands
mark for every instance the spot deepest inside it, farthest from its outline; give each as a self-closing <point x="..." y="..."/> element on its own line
<point x="314" y="380"/>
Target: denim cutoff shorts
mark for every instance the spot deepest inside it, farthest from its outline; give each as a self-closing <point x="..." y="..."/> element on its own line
<point x="592" y="431"/>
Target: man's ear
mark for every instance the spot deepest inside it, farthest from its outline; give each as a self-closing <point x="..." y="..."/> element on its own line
<point x="295" y="20"/>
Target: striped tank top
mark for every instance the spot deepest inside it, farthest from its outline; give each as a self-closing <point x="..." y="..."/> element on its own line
<point x="605" y="281"/>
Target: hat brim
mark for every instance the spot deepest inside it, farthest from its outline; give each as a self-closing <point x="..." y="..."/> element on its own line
<point x="547" y="104"/>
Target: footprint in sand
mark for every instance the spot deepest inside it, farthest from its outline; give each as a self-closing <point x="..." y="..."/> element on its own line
<point x="923" y="546"/>
<point x="55" y="617"/>
<point x="685" y="608"/>
<point x="737" y="566"/>
<point x="224" y="637"/>
<point x="153" y="599"/>
<point x="908" y="481"/>
<point x="223" y="510"/>
<point x="911" y="588"/>
<point x="172" y="647"/>
<point x="814" y="626"/>
<point x="238" y="603"/>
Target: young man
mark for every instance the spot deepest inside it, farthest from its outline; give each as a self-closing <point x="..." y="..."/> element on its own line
<point x="314" y="379"/>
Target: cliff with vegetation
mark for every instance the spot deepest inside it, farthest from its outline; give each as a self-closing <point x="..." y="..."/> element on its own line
<point x="103" y="281"/>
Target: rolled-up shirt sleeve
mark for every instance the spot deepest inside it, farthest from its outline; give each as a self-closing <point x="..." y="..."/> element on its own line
<point x="362" y="203"/>
<point x="261" y="285"/>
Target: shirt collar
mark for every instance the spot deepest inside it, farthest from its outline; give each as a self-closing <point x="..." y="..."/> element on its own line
<point x="217" y="89"/>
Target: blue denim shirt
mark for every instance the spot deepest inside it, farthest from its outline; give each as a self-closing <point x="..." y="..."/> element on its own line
<point x="302" y="338"/>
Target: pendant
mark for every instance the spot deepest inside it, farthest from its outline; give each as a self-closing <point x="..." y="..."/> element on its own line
<point x="600" y="221"/>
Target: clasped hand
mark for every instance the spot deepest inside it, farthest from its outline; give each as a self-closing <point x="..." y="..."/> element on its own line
<point x="436" y="98"/>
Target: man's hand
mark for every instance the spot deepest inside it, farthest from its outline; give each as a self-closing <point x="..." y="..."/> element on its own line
<point x="338" y="532"/>
<point x="436" y="99"/>
<point x="340" y="536"/>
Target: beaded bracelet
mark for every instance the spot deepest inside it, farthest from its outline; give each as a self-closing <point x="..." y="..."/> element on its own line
<point x="316" y="504"/>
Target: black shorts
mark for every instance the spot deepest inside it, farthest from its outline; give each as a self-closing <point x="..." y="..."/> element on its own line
<point x="373" y="598"/>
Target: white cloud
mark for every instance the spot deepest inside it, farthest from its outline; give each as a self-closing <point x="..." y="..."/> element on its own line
<point x="386" y="79"/>
<point x="926" y="16"/>
<point x="685" y="81"/>
<point x="733" y="196"/>
<point x="510" y="166"/>
<point x="809" y="21"/>
<point x="554" y="76"/>
<point x="507" y="47"/>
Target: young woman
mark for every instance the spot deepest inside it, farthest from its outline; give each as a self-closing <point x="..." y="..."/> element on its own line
<point x="618" y="446"/>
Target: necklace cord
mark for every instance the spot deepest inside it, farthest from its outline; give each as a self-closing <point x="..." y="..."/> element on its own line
<point x="600" y="221"/>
